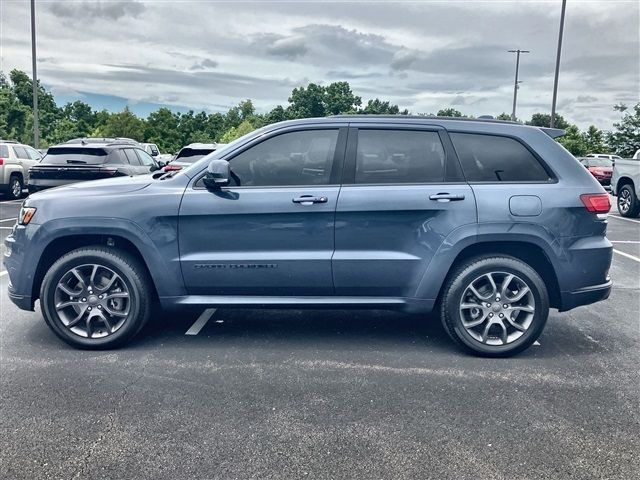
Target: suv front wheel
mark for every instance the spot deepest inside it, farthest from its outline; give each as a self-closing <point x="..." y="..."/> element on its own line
<point x="96" y="297"/>
<point x="628" y="204"/>
<point x="494" y="306"/>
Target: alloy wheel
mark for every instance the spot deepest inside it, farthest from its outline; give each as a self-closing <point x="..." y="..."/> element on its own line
<point x="16" y="188"/>
<point x="92" y="301"/>
<point x="624" y="201"/>
<point x="497" y="308"/>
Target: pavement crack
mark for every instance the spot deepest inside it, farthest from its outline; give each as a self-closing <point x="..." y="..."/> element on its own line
<point x="81" y="471"/>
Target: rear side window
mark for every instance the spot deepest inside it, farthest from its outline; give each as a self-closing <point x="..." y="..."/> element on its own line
<point x="21" y="153"/>
<point x="192" y="155"/>
<point x="4" y="151"/>
<point x="491" y="158"/>
<point x="74" y="155"/>
<point x="399" y="156"/>
<point x="132" y="157"/>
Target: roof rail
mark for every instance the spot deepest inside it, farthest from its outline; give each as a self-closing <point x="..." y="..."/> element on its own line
<point x="2" y="140"/>
<point x="483" y="118"/>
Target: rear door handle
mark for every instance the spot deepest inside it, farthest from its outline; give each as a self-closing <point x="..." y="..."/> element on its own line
<point x="446" y="197"/>
<point x="309" y="200"/>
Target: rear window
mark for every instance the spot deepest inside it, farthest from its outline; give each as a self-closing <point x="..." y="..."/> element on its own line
<point x="191" y="155"/>
<point x="492" y="158"/>
<point x="67" y="156"/>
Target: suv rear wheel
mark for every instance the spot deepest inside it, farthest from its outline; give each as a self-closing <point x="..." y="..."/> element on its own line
<point x="494" y="306"/>
<point x="96" y="298"/>
<point x="628" y="204"/>
<point x="15" y="187"/>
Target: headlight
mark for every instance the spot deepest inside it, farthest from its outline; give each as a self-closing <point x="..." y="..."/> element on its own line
<point x="26" y="214"/>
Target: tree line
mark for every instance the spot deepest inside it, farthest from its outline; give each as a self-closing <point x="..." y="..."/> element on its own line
<point x="172" y="130"/>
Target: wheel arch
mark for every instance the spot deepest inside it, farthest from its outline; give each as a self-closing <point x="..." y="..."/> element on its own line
<point x="622" y="181"/>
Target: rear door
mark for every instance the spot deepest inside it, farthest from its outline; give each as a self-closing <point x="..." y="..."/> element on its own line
<point x="403" y="193"/>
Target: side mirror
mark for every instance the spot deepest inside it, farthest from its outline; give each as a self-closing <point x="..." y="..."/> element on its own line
<point x="218" y="173"/>
<point x="160" y="163"/>
<point x="154" y="168"/>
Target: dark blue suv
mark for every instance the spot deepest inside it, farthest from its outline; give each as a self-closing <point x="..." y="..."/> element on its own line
<point x="489" y="223"/>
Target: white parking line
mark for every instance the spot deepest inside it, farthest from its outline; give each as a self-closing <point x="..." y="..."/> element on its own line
<point x="536" y="343"/>
<point x="624" y="241"/>
<point x="624" y="218"/>
<point x="201" y="321"/>
<point x="8" y="220"/>
<point x="3" y="273"/>
<point x="632" y="257"/>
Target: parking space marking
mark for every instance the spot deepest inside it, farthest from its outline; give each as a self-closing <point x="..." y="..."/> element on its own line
<point x="3" y="273"/>
<point x="632" y="257"/>
<point x="536" y="343"/>
<point x="201" y="321"/>
<point x="624" y="241"/>
<point x="8" y="220"/>
<point x="624" y="218"/>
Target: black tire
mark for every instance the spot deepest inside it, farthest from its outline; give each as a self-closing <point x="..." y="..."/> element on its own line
<point x="627" y="201"/>
<point x="134" y="278"/>
<point x="458" y="282"/>
<point x="15" y="187"/>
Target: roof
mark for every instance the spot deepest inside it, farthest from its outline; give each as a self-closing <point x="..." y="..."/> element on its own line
<point x="104" y="140"/>
<point x="96" y="144"/>
<point x="204" y="146"/>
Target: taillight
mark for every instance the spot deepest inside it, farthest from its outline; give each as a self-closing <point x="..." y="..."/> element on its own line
<point x="109" y="170"/>
<point x="596" y="202"/>
<point x="1" y="161"/>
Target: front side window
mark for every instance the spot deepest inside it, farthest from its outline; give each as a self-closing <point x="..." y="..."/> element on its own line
<point x="295" y="158"/>
<point x="399" y="156"/>
<point x="492" y="158"/>
<point x="33" y="153"/>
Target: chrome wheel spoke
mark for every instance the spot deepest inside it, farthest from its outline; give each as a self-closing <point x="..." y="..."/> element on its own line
<point x="490" y="315"/>
<point x="92" y="301"/>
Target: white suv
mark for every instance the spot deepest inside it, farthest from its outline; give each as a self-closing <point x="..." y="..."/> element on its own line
<point x="15" y="161"/>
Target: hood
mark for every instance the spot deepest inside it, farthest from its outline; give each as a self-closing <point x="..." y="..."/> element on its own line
<point x="108" y="186"/>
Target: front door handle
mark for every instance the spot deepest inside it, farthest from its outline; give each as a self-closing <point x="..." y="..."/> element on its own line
<point x="446" y="197"/>
<point x="309" y="200"/>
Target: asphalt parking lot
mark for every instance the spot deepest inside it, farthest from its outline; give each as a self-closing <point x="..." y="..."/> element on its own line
<point x="316" y="394"/>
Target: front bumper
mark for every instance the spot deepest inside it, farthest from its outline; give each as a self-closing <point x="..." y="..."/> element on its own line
<point x="585" y="296"/>
<point x="20" y="265"/>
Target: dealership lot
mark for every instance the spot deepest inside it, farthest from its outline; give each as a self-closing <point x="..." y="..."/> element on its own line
<point x="339" y="394"/>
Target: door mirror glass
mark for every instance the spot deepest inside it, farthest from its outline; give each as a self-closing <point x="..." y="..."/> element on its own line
<point x="217" y="175"/>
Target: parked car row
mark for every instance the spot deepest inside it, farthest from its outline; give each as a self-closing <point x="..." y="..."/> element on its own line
<point x="83" y="159"/>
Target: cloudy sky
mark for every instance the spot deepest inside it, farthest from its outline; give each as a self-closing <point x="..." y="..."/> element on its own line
<point x="422" y="55"/>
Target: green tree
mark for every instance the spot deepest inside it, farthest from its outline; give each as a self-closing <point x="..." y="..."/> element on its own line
<point x="379" y="107"/>
<point x="449" y="112"/>
<point x="277" y="114"/>
<point x="162" y="128"/>
<point x="237" y="132"/>
<point x="625" y="137"/>
<point x="544" y="120"/>
<point x="593" y="140"/>
<point x="504" y="116"/>
<point x="122" y="124"/>
<point x="338" y="98"/>
<point x="573" y="141"/>
<point x="307" y="102"/>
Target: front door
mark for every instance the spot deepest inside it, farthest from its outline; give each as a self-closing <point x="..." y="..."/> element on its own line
<point x="402" y="195"/>
<point x="271" y="231"/>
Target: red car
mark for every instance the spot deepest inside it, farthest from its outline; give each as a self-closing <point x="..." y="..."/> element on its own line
<point x="600" y="168"/>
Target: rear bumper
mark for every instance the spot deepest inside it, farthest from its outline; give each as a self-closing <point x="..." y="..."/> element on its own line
<point x="585" y="296"/>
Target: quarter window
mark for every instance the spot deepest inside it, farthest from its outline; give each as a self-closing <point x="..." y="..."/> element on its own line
<point x="491" y="158"/>
<point x="295" y="158"/>
<point x="399" y="156"/>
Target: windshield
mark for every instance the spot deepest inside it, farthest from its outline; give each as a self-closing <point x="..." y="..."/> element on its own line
<point x="192" y="155"/>
<point x="74" y="155"/>
<point x="600" y="162"/>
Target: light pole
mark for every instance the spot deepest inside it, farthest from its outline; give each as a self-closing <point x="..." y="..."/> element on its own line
<point x="515" y="84"/>
<point x="36" y="126"/>
<point x="555" y="79"/>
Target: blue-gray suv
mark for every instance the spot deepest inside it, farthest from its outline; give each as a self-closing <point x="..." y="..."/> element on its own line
<point x="488" y="223"/>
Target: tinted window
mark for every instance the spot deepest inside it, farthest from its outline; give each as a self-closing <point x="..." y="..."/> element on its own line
<point x="4" y="151"/>
<point x="491" y="158"/>
<point x="20" y="152"/>
<point x="296" y="158"/>
<point x="145" y="158"/>
<point x="33" y="153"/>
<point x="191" y="155"/>
<point x="117" y="157"/>
<point x="153" y="150"/>
<point x="71" y="155"/>
<point x="399" y="156"/>
<point x="132" y="157"/>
